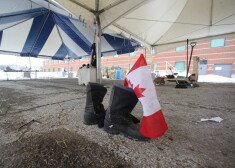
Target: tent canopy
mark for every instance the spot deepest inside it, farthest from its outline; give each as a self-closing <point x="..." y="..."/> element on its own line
<point x="65" y="28"/>
<point x="161" y="24"/>
<point x="40" y="29"/>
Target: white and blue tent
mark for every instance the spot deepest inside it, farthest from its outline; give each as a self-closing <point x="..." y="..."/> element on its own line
<point x="157" y="24"/>
<point x="38" y="29"/>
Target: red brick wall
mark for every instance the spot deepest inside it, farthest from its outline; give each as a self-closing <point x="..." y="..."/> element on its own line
<point x="220" y="55"/>
<point x="123" y="60"/>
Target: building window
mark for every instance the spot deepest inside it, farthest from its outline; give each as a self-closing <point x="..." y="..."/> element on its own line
<point x="48" y="62"/>
<point x="54" y="62"/>
<point x="59" y="62"/>
<point x="130" y="66"/>
<point x="115" y="65"/>
<point x="49" y="70"/>
<point x="71" y="69"/>
<point x="58" y="69"/>
<point x="115" y="56"/>
<point x="152" y="51"/>
<point x="155" y="66"/>
<point x="81" y="59"/>
<point x="53" y="69"/>
<point x="180" y="65"/>
<point x="65" y="61"/>
<point x="181" y="48"/>
<point x="133" y="53"/>
<point x="217" y="43"/>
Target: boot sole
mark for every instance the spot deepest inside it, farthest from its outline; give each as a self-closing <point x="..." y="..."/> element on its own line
<point x="109" y="129"/>
<point x="115" y="131"/>
<point x="89" y="119"/>
<point x="89" y="123"/>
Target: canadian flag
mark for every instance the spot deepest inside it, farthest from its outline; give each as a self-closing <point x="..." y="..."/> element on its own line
<point x="139" y="78"/>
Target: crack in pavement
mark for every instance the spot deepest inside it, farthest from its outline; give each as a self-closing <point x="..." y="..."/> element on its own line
<point x="42" y="106"/>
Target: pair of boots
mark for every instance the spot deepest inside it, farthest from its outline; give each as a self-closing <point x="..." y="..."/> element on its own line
<point x="117" y="118"/>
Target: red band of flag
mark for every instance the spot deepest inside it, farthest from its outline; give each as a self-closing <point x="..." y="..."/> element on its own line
<point x="153" y="126"/>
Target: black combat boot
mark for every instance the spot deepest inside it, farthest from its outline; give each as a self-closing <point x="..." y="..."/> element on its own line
<point x="94" y="110"/>
<point x="118" y="118"/>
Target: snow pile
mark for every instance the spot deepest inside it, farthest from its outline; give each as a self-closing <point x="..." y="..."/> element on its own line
<point x="215" y="79"/>
<point x="11" y="75"/>
<point x="34" y="75"/>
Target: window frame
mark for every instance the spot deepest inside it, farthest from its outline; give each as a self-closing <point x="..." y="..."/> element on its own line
<point x="130" y="66"/>
<point x="132" y="53"/>
<point x="214" y="45"/>
<point x="180" y="69"/>
<point x="154" y="66"/>
<point x="180" y="48"/>
<point x="116" y="56"/>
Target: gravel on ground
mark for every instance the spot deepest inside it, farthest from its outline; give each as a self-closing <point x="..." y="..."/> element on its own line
<point x="41" y="125"/>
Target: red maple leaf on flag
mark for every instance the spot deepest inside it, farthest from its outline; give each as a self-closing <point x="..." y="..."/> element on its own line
<point x="130" y="84"/>
<point x="138" y="91"/>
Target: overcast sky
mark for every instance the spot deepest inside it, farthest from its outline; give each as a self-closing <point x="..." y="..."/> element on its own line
<point x="23" y="61"/>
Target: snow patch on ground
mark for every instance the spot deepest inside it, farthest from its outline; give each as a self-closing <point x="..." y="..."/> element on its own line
<point x="45" y="75"/>
<point x="215" y="79"/>
<point x="34" y="75"/>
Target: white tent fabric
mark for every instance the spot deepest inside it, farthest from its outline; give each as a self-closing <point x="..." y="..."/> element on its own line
<point x="161" y="24"/>
<point x="36" y="28"/>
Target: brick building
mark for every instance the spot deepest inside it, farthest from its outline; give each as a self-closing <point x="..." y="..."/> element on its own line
<point x="217" y="57"/>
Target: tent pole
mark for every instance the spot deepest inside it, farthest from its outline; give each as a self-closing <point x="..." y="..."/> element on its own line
<point x="98" y="45"/>
<point x="98" y="54"/>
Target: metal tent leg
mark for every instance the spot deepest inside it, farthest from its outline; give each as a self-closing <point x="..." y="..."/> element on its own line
<point x="98" y="45"/>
